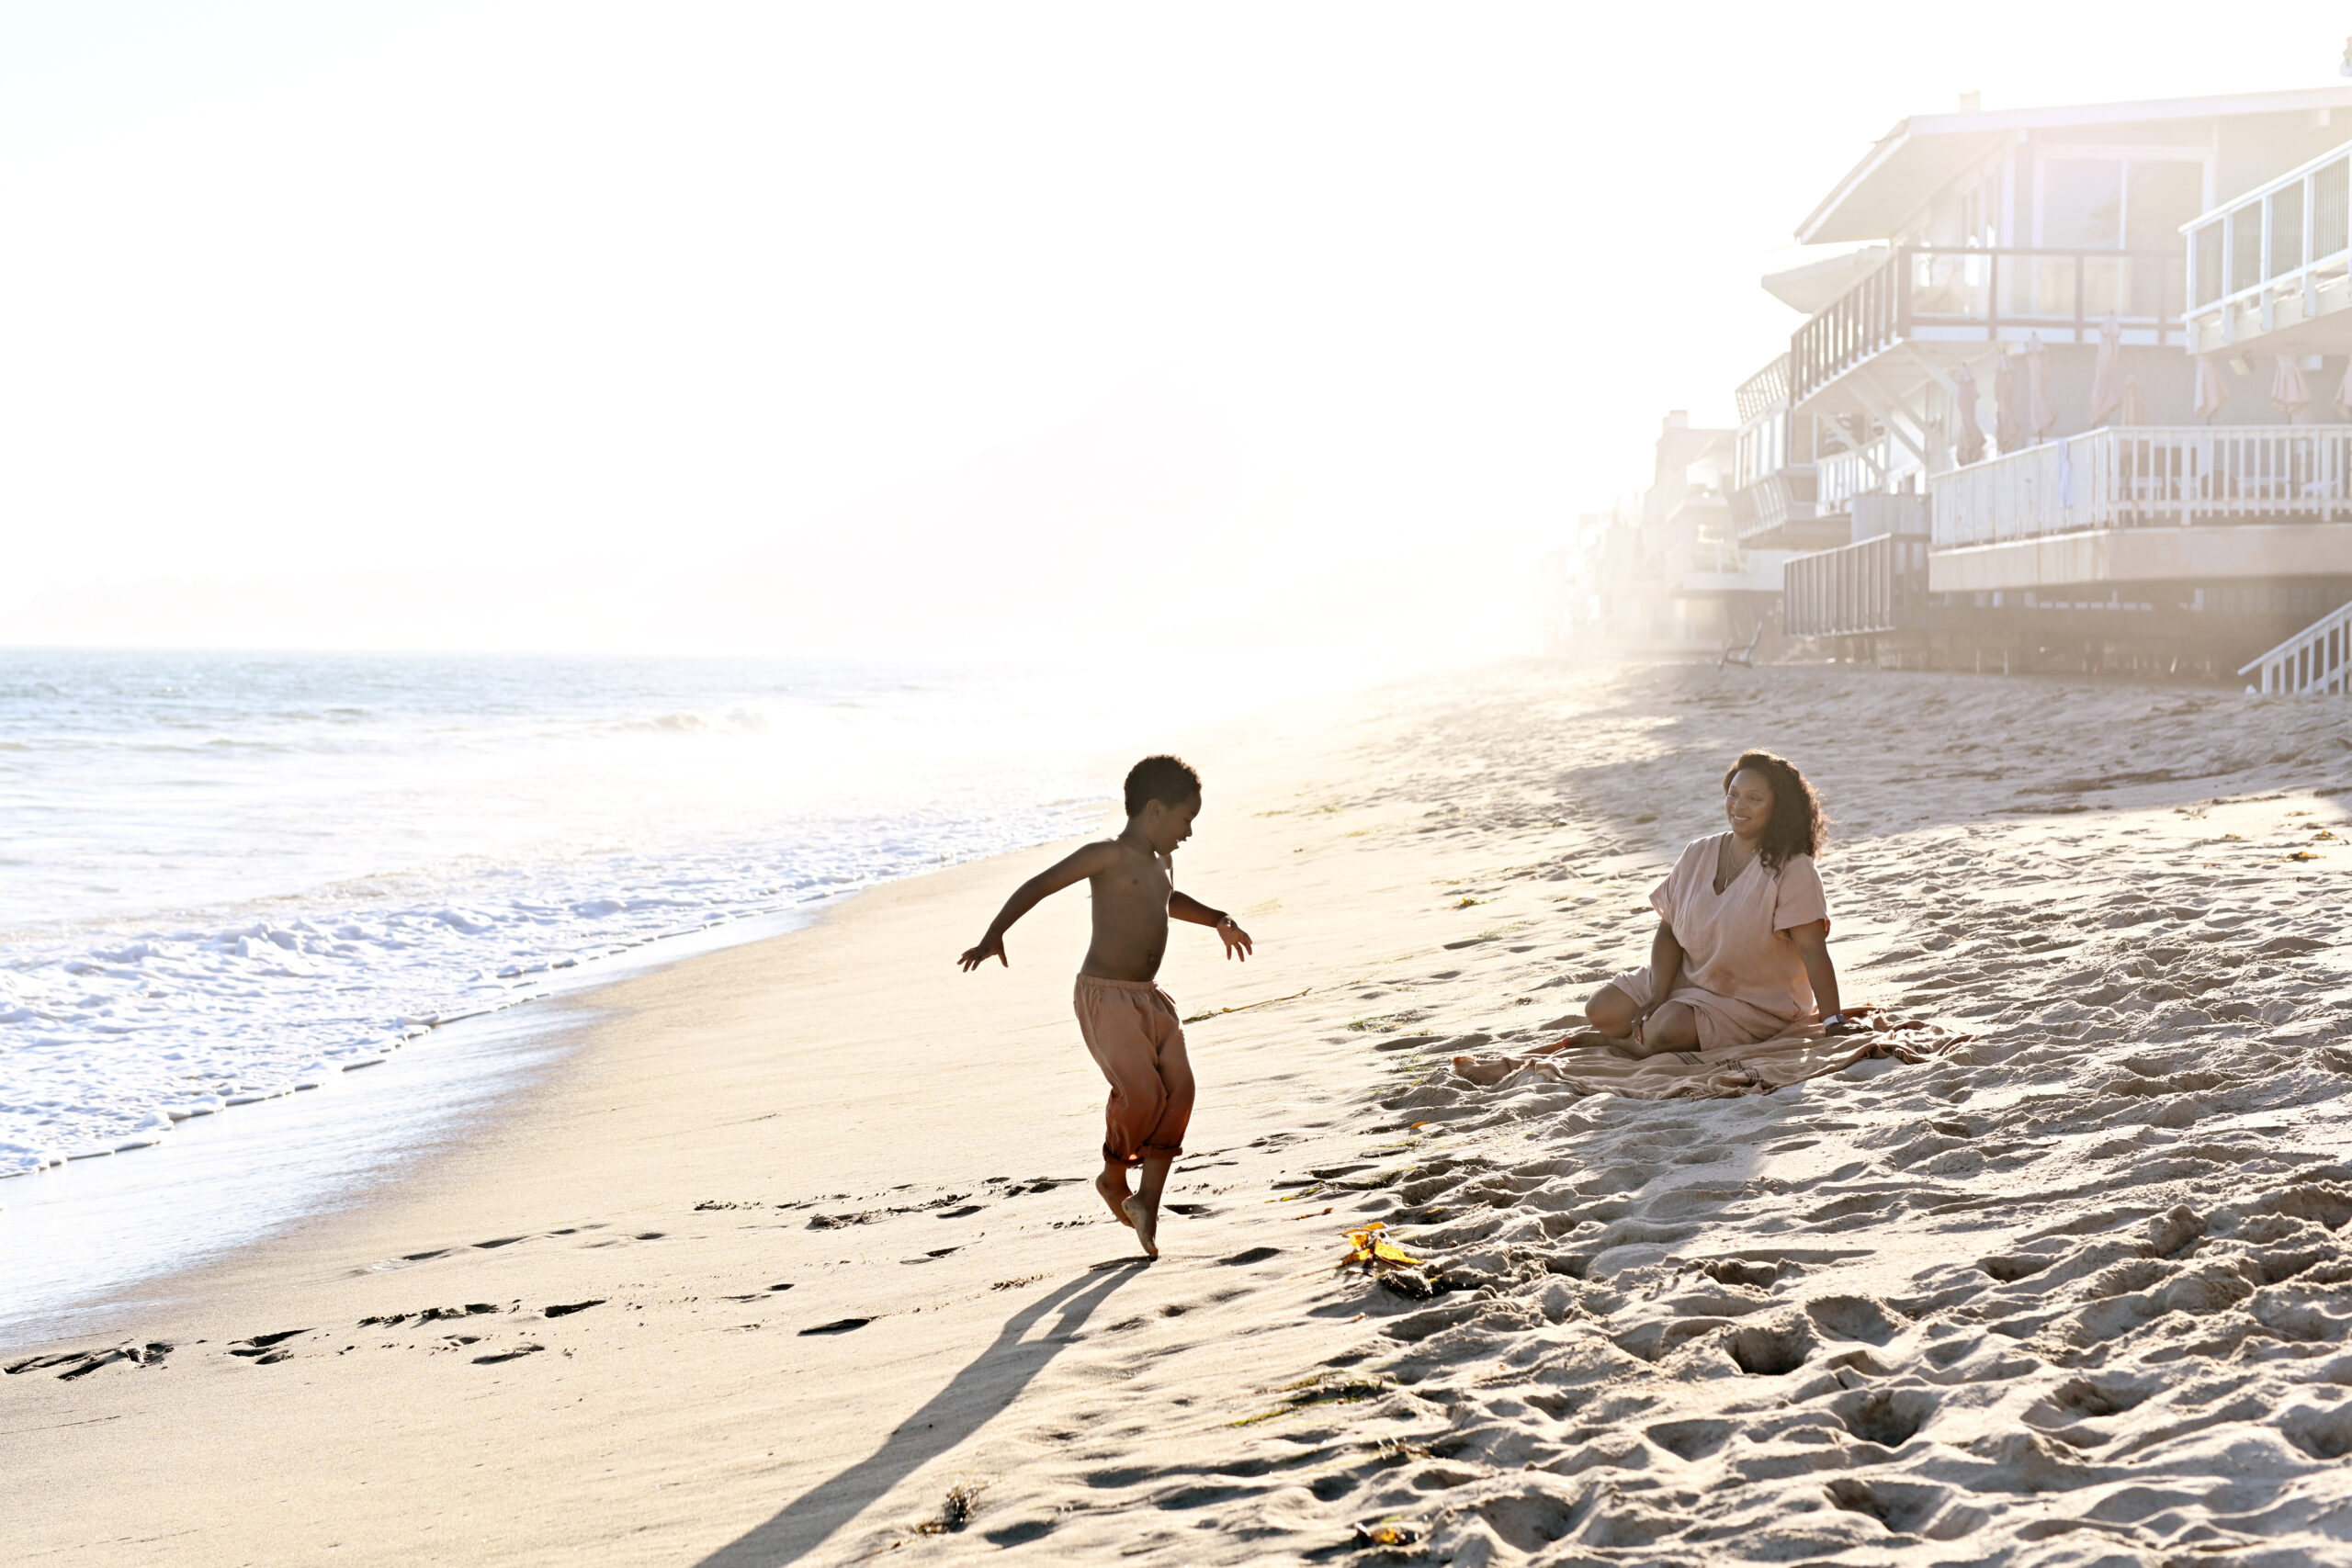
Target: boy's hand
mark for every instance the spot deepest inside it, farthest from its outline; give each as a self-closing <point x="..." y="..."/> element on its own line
<point x="991" y="947"/>
<point x="1235" y="939"/>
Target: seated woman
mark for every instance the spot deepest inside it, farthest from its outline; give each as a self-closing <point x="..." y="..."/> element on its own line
<point x="1742" y="946"/>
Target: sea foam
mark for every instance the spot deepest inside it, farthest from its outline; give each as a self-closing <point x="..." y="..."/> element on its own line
<point x="372" y="848"/>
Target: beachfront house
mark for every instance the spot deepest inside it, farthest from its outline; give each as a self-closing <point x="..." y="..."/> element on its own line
<point x="2039" y="452"/>
<point x="2270" y="281"/>
<point x="1669" y="570"/>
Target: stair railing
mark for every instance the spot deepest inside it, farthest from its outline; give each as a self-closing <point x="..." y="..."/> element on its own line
<point x="2313" y="660"/>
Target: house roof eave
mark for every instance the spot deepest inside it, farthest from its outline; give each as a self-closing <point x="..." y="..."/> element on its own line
<point x="1891" y="179"/>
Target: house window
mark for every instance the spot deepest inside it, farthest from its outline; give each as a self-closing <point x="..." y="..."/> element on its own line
<point x="2118" y="203"/>
<point x="2081" y="204"/>
<point x="2123" y="202"/>
<point x="2160" y="195"/>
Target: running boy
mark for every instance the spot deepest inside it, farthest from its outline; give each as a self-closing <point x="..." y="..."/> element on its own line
<point x="1130" y="1025"/>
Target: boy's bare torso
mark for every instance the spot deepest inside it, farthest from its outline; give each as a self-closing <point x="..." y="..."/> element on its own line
<point x="1131" y="895"/>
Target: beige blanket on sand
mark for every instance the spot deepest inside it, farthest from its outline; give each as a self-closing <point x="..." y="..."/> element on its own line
<point x="1800" y="1052"/>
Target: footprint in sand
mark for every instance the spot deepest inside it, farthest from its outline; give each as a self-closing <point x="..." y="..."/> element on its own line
<point x="839" y="1325"/>
<point x="617" y="1240"/>
<point x="266" y="1350"/>
<point x="81" y="1363"/>
<point x="1018" y="1534"/>
<point x="405" y="1259"/>
<point x="762" y="1295"/>
<point x="430" y="1314"/>
<point x="1255" y="1255"/>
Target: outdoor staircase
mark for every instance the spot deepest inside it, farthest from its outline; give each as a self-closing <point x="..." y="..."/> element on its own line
<point x="2317" y="658"/>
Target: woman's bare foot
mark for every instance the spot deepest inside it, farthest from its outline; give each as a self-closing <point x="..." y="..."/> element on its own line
<point x="1145" y="1217"/>
<point x="1113" y="1185"/>
<point x="1493" y="1071"/>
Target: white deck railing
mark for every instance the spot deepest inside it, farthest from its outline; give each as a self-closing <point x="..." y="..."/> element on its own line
<point x="2313" y="660"/>
<point x="2277" y="256"/>
<point x="1840" y="475"/>
<point x="2143" y="477"/>
<point x="1855" y="590"/>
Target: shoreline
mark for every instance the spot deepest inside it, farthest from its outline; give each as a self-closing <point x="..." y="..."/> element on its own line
<point x="796" y="1250"/>
<point x="99" y="1300"/>
<point x="601" y="964"/>
<point x="473" y="1065"/>
<point x="574" y="983"/>
<point x="252" y="873"/>
<point x="426" y="1027"/>
<point x="96" y="1243"/>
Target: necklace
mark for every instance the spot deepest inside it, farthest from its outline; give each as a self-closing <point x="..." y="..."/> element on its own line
<point x="1726" y="877"/>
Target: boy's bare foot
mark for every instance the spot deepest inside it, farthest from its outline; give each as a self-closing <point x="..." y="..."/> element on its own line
<point x="1480" y="1070"/>
<point x="1113" y="1185"/>
<point x="1145" y="1217"/>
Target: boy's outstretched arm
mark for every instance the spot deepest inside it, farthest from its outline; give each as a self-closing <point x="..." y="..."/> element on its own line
<point x="1077" y="867"/>
<point x="1184" y="907"/>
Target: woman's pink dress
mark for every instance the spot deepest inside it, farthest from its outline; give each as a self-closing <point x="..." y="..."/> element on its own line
<point x="1741" y="972"/>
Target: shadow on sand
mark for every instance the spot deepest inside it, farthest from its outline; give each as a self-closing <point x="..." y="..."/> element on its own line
<point x="995" y="1377"/>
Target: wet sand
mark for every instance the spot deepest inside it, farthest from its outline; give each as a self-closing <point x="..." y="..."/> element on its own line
<point x="795" y="1260"/>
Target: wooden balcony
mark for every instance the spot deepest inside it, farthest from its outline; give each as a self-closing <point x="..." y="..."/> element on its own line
<point x="2148" y="478"/>
<point x="1771" y="504"/>
<point x="2275" y="261"/>
<point x="1763" y="394"/>
<point x="1931" y="296"/>
<point x="1710" y="568"/>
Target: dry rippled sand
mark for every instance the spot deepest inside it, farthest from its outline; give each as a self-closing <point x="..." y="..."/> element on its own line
<point x="2079" y="1293"/>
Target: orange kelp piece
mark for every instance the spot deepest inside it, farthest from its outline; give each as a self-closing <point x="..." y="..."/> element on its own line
<point x="1371" y="1250"/>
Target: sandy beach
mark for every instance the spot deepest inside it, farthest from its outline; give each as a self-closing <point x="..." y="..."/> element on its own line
<point x="794" y="1258"/>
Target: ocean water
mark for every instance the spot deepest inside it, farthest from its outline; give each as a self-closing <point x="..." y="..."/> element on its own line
<point x="227" y="878"/>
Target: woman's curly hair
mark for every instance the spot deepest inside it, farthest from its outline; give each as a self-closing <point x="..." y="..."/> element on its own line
<point x="1799" y="826"/>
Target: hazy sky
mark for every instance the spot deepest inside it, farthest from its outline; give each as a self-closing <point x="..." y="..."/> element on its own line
<point x="507" y="325"/>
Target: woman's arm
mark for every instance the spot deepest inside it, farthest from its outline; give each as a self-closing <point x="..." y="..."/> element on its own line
<point x="1813" y="946"/>
<point x="1666" y="970"/>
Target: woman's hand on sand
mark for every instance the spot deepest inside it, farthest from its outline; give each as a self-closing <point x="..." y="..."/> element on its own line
<point x="991" y="947"/>
<point x="1237" y="941"/>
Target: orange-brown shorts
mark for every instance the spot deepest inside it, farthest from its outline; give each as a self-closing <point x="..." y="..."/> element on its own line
<point x="1136" y="1036"/>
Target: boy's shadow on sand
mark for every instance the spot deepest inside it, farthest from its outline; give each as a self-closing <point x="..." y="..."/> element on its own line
<point x="995" y="1377"/>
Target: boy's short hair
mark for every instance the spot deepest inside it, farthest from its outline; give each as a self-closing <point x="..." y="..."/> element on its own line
<point x="1163" y="778"/>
